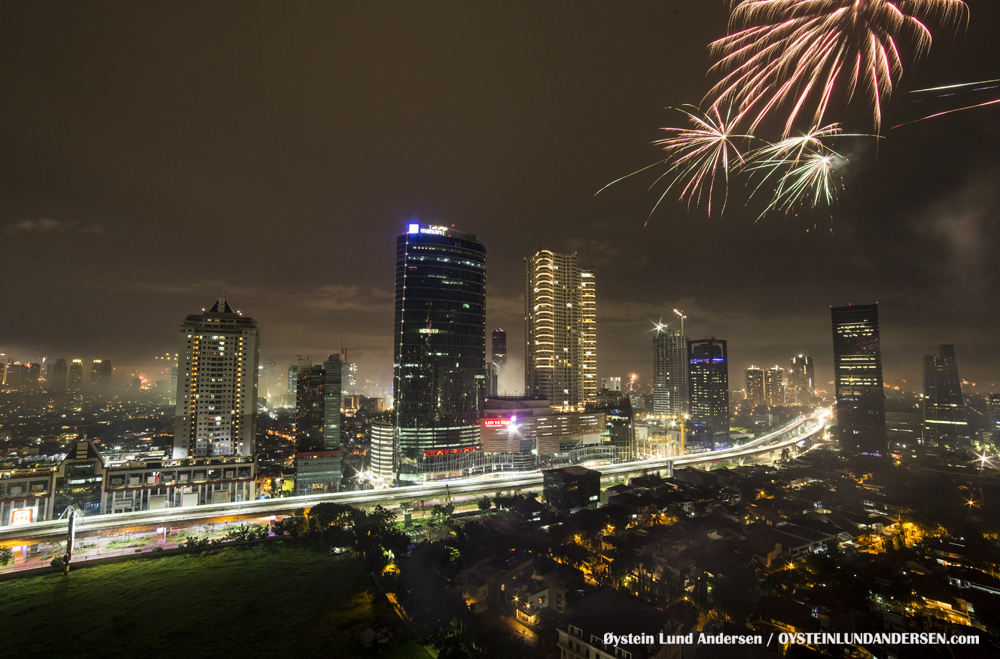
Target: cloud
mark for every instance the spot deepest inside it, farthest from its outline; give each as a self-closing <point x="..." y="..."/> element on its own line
<point x="339" y="297"/>
<point x="48" y="225"/>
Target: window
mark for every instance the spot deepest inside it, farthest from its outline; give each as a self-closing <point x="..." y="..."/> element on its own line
<point x="576" y="631"/>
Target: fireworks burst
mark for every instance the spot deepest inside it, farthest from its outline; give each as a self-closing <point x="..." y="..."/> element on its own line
<point x="794" y="51"/>
<point x="696" y="156"/>
<point x="806" y="170"/>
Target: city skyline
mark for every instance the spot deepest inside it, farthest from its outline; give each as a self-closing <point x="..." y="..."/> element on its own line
<point x="137" y="174"/>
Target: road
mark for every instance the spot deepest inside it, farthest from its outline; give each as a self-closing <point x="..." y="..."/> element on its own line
<point x="796" y="431"/>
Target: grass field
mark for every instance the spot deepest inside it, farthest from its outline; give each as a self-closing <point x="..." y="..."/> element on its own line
<point x="265" y="601"/>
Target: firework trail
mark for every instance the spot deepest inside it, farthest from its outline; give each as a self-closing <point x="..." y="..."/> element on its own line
<point x="953" y="90"/>
<point x="793" y="52"/>
<point x="696" y="156"/>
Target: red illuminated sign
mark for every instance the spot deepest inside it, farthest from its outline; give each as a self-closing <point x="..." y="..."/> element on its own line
<point x="22" y="516"/>
<point x="495" y="423"/>
<point x="469" y="449"/>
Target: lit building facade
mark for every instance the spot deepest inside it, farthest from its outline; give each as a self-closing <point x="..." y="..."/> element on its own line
<point x="383" y="451"/>
<point x="85" y="479"/>
<point x="216" y="411"/>
<point x="774" y="386"/>
<point x="523" y="433"/>
<point x="857" y="372"/>
<point x="670" y="372"/>
<point x="439" y="350"/>
<point x="560" y="317"/>
<point x="945" y="421"/>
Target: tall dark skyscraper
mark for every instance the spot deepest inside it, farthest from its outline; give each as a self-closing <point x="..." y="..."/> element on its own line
<point x="945" y="422"/>
<point x="58" y="375"/>
<point x="498" y="361"/>
<point x="317" y="427"/>
<point x="500" y="347"/>
<point x="708" y="375"/>
<point x="857" y="372"/>
<point x="439" y="369"/>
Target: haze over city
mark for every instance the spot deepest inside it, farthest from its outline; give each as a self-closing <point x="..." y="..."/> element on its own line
<point x="154" y="156"/>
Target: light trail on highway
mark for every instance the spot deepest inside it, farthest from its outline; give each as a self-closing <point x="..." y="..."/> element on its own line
<point x="187" y="516"/>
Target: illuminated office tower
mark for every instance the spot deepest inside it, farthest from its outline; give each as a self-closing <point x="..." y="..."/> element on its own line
<point x="670" y="372"/>
<point x="560" y="318"/>
<point x="709" y="383"/>
<point x="945" y="422"/>
<point x="439" y="350"/>
<point x="317" y="427"/>
<point x="383" y="451"/>
<point x="755" y="387"/>
<point x="217" y="384"/>
<point x="857" y="373"/>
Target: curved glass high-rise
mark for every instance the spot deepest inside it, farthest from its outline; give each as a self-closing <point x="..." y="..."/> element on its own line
<point x="439" y="366"/>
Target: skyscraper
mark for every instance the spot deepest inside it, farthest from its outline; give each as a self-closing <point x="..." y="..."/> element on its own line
<point x="317" y="427"/>
<point x="499" y="353"/>
<point x="945" y="421"/>
<point x="857" y="373"/>
<point x="801" y="379"/>
<point x="349" y="375"/>
<point x="439" y="351"/>
<point x="560" y="318"/>
<point x="57" y="376"/>
<point x="100" y="375"/>
<point x="755" y="387"/>
<point x="670" y="371"/>
<point x="709" y="386"/>
<point x="774" y="386"/>
<point x="75" y="381"/>
<point x="217" y="384"/>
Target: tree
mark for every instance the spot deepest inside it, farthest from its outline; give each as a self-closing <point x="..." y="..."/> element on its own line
<point x="377" y="539"/>
<point x="484" y="503"/>
<point x="6" y="556"/>
<point x="332" y="514"/>
<point x="735" y="593"/>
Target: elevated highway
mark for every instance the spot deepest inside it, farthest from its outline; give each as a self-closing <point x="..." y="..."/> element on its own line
<point x="802" y="428"/>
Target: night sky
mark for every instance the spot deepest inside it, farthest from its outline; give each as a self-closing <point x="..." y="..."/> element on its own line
<point x="154" y="154"/>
